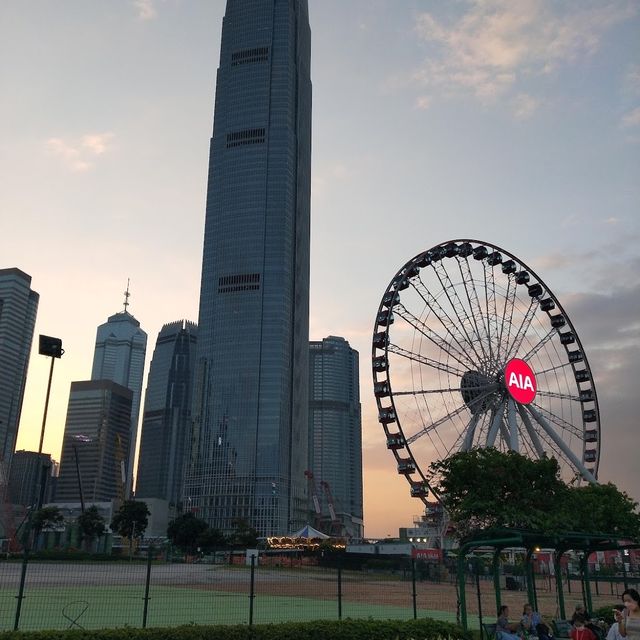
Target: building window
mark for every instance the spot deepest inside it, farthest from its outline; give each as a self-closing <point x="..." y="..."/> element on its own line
<point x="245" y="136"/>
<point x="246" y="56"/>
<point x="239" y="282"/>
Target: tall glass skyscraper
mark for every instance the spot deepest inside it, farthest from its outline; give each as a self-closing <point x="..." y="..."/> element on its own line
<point x="249" y="441"/>
<point x="119" y="356"/>
<point x="18" y="308"/>
<point x="335" y="432"/>
<point x="167" y="407"/>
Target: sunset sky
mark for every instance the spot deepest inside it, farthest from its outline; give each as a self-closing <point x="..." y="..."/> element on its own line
<point x="515" y="122"/>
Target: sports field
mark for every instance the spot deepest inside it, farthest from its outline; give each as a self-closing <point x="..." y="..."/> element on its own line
<point x="59" y="595"/>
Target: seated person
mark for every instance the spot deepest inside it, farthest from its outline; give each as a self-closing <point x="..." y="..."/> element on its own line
<point x="614" y="631"/>
<point x="532" y="624"/>
<point x="580" y="611"/>
<point x="506" y="630"/>
<point x="580" y="631"/>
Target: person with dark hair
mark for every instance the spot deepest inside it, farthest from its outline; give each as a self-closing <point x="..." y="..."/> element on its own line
<point x="580" y="631"/>
<point x="629" y="619"/>
<point x="614" y="631"/>
<point x="533" y="625"/>
<point x="506" y="630"/>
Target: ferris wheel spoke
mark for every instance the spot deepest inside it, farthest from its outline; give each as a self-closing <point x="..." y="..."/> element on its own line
<point x="492" y="311"/>
<point x="456" y="304"/>
<point x="570" y="455"/>
<point x="560" y="422"/>
<point x="554" y="368"/>
<point x="416" y="392"/>
<point x="434" y="426"/>
<point x="560" y="396"/>
<point x="440" y="313"/>
<point x="470" y="431"/>
<point x="432" y="336"/>
<point x="533" y="436"/>
<point x="474" y="302"/>
<point x="496" y="421"/>
<point x="532" y="352"/>
<point x="430" y="362"/>
<point x="509" y="301"/>
<point x="522" y="330"/>
<point x="513" y="426"/>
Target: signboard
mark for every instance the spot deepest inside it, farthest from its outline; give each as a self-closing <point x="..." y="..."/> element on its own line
<point x="520" y="381"/>
<point x="433" y="555"/>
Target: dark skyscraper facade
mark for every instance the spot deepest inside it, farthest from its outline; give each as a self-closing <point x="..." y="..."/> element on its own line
<point x="335" y="431"/>
<point x="248" y="449"/>
<point x="96" y="436"/>
<point x="166" y="413"/>
<point x="18" y="308"/>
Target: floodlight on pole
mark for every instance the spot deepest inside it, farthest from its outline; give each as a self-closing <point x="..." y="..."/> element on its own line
<point x="76" y="440"/>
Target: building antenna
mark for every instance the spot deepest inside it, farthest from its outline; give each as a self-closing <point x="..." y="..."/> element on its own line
<point x="126" y="297"/>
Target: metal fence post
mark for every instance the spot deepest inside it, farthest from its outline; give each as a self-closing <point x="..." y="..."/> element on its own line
<point x="413" y="584"/>
<point x="20" y="596"/>
<point x="477" y="568"/>
<point x="252" y="594"/>
<point x="146" y="588"/>
<point x="339" y="591"/>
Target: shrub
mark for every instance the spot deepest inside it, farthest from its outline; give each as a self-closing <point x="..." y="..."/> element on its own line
<point x="425" y="629"/>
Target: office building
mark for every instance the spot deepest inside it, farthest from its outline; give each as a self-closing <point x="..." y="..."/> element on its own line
<point x="119" y="356"/>
<point x="96" y="439"/>
<point x="248" y="449"/>
<point x="167" y="408"/>
<point x="30" y="478"/>
<point x="18" y="308"/>
<point x="335" y="435"/>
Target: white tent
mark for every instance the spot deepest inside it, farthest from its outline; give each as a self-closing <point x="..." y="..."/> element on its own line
<point x="309" y="532"/>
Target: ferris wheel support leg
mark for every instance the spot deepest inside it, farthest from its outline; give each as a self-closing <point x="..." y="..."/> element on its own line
<point x="471" y="429"/>
<point x="495" y="425"/>
<point x="537" y="445"/>
<point x="514" y="444"/>
<point x="539" y="418"/>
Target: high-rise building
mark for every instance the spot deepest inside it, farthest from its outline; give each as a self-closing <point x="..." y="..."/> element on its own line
<point x="167" y="409"/>
<point x="249" y="441"/>
<point x="18" y="308"/>
<point x="96" y="436"/>
<point x="30" y="478"/>
<point x="119" y="356"/>
<point x="335" y="433"/>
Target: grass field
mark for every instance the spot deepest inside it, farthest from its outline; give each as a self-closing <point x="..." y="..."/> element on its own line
<point x="98" y="607"/>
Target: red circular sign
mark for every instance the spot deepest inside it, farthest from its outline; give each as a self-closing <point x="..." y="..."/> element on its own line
<point x="520" y="381"/>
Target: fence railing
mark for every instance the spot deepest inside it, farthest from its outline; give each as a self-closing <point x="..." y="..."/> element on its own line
<point x="53" y="594"/>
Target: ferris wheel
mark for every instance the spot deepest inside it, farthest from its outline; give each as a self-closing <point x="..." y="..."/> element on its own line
<point x="472" y="349"/>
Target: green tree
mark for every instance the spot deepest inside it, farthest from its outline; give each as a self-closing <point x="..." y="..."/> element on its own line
<point x="211" y="539"/>
<point x="92" y="524"/>
<point x="602" y="508"/>
<point x="185" y="531"/>
<point x="485" y="488"/>
<point x="131" y="519"/>
<point x="244" y="535"/>
<point x="46" y="518"/>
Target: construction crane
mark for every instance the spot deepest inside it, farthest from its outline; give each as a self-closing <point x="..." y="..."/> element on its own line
<point x="314" y="497"/>
<point x="336" y="525"/>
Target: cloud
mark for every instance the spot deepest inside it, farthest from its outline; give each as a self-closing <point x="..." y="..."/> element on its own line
<point x="423" y="102"/>
<point x="146" y="9"/>
<point x="78" y="154"/>
<point x="497" y="43"/>
<point x="524" y="106"/>
<point x="631" y="119"/>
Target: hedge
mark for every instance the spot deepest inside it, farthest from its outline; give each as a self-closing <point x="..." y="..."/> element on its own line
<point x="425" y="629"/>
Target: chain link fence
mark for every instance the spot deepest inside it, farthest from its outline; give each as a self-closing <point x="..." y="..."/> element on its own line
<point x="37" y="594"/>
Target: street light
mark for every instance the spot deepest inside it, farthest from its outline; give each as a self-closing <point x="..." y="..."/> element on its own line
<point x="79" y="439"/>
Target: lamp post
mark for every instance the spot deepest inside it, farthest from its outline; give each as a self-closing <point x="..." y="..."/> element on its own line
<point x="79" y="439"/>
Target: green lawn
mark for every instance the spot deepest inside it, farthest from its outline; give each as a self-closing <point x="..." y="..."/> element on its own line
<point x="44" y="608"/>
